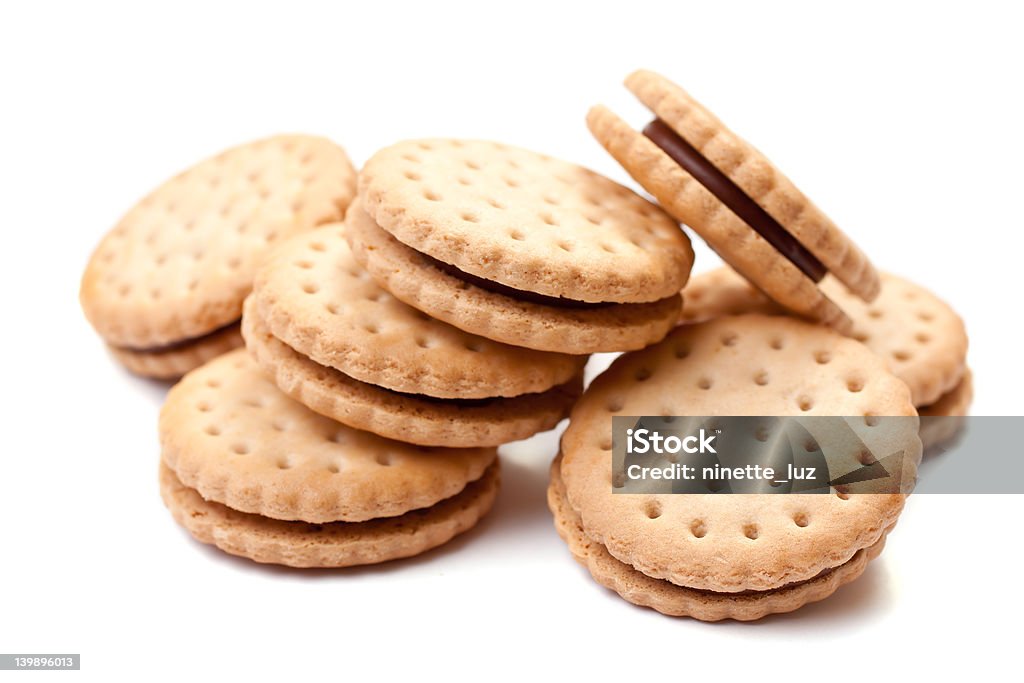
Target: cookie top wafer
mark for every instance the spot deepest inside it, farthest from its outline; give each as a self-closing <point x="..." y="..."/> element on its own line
<point x="525" y="220"/>
<point x="744" y="365"/>
<point x="759" y="179"/>
<point x="921" y="338"/>
<point x="314" y="296"/>
<point x="180" y="262"/>
<point x="228" y="433"/>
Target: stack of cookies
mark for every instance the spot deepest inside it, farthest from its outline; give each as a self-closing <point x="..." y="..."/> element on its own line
<point x="490" y="273"/>
<point x="445" y="349"/>
<point x="362" y="422"/>
<point x="402" y="326"/>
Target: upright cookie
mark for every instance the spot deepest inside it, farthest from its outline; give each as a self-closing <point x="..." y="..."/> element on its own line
<point x="919" y="335"/>
<point x="261" y="476"/>
<point x="518" y="247"/>
<point x="334" y="340"/>
<point x="745" y="209"/>
<point x="719" y="547"/>
<point x="175" y="269"/>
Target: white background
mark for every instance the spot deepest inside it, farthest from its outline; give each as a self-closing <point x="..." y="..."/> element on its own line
<point x="903" y="123"/>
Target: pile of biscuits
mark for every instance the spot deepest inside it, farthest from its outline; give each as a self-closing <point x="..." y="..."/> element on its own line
<point x="401" y="324"/>
<point x="387" y="354"/>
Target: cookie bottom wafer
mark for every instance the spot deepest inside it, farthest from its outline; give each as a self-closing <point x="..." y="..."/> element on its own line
<point x="674" y="600"/>
<point x="176" y="360"/>
<point x="333" y="544"/>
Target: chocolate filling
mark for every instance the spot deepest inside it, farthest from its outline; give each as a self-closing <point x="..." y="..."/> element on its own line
<point x="505" y="290"/>
<point x="181" y="343"/>
<point x="730" y="194"/>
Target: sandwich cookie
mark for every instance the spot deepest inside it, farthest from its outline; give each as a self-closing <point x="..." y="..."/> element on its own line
<point x="333" y="339"/>
<point x="731" y="556"/>
<point x="165" y="287"/>
<point x="732" y="196"/>
<point x="518" y="247"/>
<point x="920" y="336"/>
<point x="251" y="471"/>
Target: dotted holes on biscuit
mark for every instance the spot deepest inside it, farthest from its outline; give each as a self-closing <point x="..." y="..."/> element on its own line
<point x="698" y="528"/>
<point x="751" y="531"/>
<point x="801" y="520"/>
<point x="652" y="509"/>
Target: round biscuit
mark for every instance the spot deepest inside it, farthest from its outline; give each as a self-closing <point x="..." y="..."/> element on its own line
<point x="333" y="544"/>
<point x="918" y="334"/>
<point x="413" y="279"/>
<point x="315" y="297"/>
<point x="405" y="417"/>
<point x="737" y="243"/>
<point x="180" y="262"/>
<point x="743" y="365"/>
<point x="760" y="180"/>
<point x="525" y="220"/>
<point x="231" y="435"/>
<point x="672" y="600"/>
